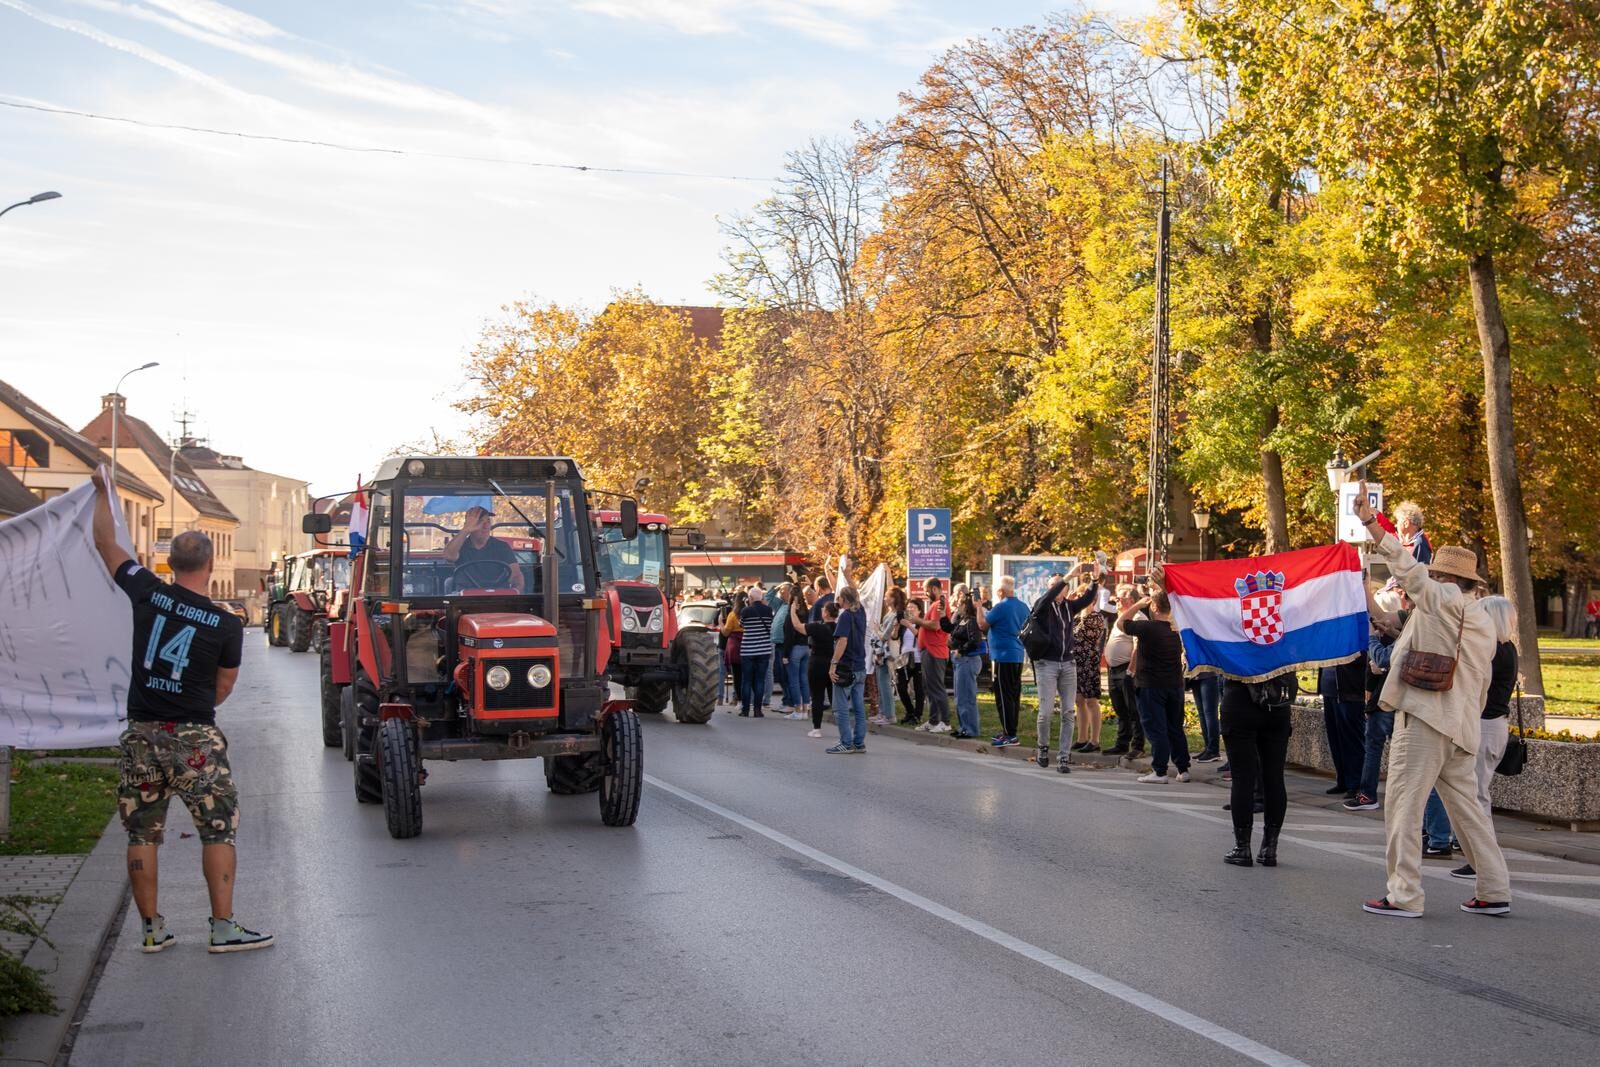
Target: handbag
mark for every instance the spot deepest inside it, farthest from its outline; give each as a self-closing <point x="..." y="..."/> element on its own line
<point x="1515" y="756"/>
<point x="1035" y="638"/>
<point x="1432" y="671"/>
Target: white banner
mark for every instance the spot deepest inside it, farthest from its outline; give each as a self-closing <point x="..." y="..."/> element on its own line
<point x="66" y="630"/>
<point x="872" y="593"/>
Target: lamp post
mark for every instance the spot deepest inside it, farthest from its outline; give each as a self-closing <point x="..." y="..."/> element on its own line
<point x="1202" y="520"/>
<point x="116" y="410"/>
<point x="36" y="198"/>
<point x="1169" y="536"/>
<point x="1337" y="468"/>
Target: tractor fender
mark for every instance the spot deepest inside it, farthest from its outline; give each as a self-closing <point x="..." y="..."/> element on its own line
<point x="610" y="708"/>
<point x="395" y="711"/>
<point x="339" y="652"/>
<point x="304" y="602"/>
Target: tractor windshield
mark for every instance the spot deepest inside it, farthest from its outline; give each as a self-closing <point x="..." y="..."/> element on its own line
<point x="462" y="537"/>
<point x="644" y="559"/>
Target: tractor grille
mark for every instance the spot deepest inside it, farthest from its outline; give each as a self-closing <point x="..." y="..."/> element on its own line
<point x="519" y="694"/>
<point x="574" y="622"/>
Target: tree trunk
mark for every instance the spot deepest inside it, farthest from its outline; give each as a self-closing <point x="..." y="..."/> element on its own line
<point x="1272" y="481"/>
<point x="1471" y="517"/>
<point x="1515" y="571"/>
<point x="1573" y="606"/>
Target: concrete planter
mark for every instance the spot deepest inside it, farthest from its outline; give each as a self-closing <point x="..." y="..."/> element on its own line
<point x="1561" y="781"/>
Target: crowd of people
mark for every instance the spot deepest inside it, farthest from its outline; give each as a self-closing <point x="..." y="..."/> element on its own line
<point x="1087" y="637"/>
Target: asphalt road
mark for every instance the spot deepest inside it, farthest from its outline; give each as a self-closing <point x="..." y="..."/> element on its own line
<point x="776" y="905"/>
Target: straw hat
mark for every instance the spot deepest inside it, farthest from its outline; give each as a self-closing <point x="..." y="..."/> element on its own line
<point x="1457" y="562"/>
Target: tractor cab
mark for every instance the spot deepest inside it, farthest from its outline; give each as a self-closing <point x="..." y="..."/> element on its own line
<point x="478" y="630"/>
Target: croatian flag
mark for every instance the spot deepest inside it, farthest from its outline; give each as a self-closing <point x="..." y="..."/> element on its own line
<point x="358" y="523"/>
<point x="1252" y="619"/>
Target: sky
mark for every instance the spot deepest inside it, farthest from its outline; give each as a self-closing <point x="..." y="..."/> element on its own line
<point x="314" y="308"/>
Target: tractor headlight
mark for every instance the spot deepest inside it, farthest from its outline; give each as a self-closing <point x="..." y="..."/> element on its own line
<point x="630" y="621"/>
<point x="655" y="621"/>
<point x="538" y="676"/>
<point x="497" y="678"/>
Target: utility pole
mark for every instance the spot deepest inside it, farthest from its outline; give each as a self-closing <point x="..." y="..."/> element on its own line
<point x="1158" y="526"/>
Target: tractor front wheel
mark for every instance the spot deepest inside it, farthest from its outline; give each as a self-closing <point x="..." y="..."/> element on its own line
<point x="623" y="768"/>
<point x="400" y="772"/>
<point x="319" y="635"/>
<point x="570" y="775"/>
<point x="651" y="698"/>
<point x="699" y="665"/>
<point x="369" y="790"/>
<point x="299" y="629"/>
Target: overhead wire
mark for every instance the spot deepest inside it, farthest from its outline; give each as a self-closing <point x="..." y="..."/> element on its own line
<point x="587" y="168"/>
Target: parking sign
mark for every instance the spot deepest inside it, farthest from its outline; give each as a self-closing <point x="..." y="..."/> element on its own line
<point x="928" y="542"/>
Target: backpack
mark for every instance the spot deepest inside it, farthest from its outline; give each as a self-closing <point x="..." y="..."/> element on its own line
<point x="1035" y="638"/>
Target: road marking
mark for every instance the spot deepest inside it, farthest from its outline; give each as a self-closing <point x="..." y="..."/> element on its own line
<point x="1095" y="980"/>
<point x="1581" y="905"/>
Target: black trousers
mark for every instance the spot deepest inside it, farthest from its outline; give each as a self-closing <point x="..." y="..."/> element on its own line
<point x="1258" y="740"/>
<point x="909" y="681"/>
<point x="1130" y="731"/>
<point x="1008" y="696"/>
<point x="817" y="677"/>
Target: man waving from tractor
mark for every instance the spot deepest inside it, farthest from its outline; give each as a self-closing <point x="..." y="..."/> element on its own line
<point x="482" y="558"/>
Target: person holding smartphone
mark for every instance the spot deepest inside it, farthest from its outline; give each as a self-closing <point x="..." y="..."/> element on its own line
<point x="1054" y="668"/>
<point x="933" y="638"/>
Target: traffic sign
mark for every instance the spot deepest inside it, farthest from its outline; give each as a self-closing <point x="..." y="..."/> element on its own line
<point x="928" y="542"/>
<point x="1350" y="528"/>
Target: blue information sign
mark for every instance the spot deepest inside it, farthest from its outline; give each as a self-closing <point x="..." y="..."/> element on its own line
<point x="927" y="542"/>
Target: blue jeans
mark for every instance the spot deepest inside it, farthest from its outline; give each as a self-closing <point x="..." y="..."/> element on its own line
<point x="967" y="668"/>
<point x="850" y="711"/>
<point x="797" y="687"/>
<point x="753" y="682"/>
<point x="1161" y="711"/>
<point x="780" y="675"/>
<point x="1435" y="823"/>
<point x="1380" y="724"/>
<point x="1207" y="700"/>
<point x="885" y="676"/>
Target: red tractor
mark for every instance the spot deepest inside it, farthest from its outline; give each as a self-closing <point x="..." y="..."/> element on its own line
<point x="310" y="590"/>
<point x="477" y="628"/>
<point x="653" y="657"/>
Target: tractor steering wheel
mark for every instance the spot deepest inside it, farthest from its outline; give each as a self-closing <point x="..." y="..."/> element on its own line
<point x="503" y="575"/>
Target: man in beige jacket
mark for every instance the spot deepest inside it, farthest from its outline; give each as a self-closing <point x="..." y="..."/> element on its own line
<point x="1436" y="731"/>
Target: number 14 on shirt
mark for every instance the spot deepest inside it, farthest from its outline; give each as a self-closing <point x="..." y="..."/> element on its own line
<point x="175" y="651"/>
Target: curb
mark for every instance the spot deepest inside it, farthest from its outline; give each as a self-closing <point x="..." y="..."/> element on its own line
<point x="79" y="928"/>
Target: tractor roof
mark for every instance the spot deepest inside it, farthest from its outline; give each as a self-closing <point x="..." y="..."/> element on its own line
<point x="478" y="468"/>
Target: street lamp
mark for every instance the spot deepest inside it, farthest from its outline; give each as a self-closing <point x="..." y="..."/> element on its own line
<point x="116" y="406"/>
<point x="1337" y="468"/>
<point x="1202" y="520"/>
<point x="36" y="198"/>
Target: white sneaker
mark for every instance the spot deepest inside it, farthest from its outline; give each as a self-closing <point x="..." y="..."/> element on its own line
<point x="923" y="727"/>
<point x="1153" y="778"/>
<point x="1183" y="776"/>
<point x="814" y="733"/>
<point x="942" y="728"/>
<point x="796" y="716"/>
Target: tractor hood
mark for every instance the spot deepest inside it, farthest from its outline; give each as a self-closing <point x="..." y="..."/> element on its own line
<point x="503" y="629"/>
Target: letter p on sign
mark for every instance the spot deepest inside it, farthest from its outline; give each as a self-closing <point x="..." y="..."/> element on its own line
<point x="926" y="524"/>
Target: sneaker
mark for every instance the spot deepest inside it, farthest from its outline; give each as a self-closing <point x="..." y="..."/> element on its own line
<point x="795" y="716"/>
<point x="1383" y="907"/>
<point x="942" y="728"/>
<point x="924" y="727"/>
<point x="813" y="733"/>
<point x="1153" y="778"/>
<point x="229" y="936"/>
<point x="858" y="749"/>
<point x="759" y="714"/>
<point x="1361" y="802"/>
<point x="1183" y="776"/>
<point x="1062" y="768"/>
<point x="876" y="720"/>
<point x="1486" y="907"/>
<point x="1008" y="742"/>
<point x="156" y="935"/>
<point x="1464" y="871"/>
<point x="840" y="750"/>
<point x="1431" y="853"/>
<point x="997" y="741"/>
<point x="1043" y="757"/>
<point x="1208" y="757"/>
<point x="1335" y="791"/>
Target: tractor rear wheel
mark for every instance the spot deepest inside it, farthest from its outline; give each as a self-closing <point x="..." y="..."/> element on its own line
<point x="347" y="721"/>
<point x="699" y="665"/>
<point x="570" y="775"/>
<point x="369" y="790"/>
<point x="319" y="635"/>
<point x="299" y="629"/>
<point x="651" y="697"/>
<point x="399" y="771"/>
<point x="623" y="775"/>
<point x="332" y="713"/>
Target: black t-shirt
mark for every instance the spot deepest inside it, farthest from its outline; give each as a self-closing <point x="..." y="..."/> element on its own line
<point x="180" y="640"/>
<point x="1502" y="679"/>
<point x="1160" y="664"/>
<point x="494" y="550"/>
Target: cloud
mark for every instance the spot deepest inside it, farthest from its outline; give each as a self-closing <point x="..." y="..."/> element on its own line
<point x="218" y="18"/>
<point x="841" y="23"/>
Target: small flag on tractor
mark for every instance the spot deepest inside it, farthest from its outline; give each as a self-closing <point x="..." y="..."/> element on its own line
<point x="358" y="522"/>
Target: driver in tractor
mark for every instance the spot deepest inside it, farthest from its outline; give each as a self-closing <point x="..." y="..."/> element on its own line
<point x="475" y="543"/>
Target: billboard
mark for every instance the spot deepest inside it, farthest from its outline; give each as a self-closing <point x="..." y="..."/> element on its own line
<point x="1031" y="573"/>
<point x="928" y="543"/>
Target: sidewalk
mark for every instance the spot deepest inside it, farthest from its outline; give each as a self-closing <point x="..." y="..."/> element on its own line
<point x="1306" y="789"/>
<point x="88" y="894"/>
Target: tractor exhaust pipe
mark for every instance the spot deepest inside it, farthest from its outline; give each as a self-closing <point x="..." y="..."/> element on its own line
<point x="552" y="590"/>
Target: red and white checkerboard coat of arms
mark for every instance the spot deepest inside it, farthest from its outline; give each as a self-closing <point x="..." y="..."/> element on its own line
<point x="1260" y="606"/>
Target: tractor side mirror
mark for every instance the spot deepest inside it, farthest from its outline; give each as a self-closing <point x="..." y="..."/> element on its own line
<point x="630" y="518"/>
<point x="695" y="539"/>
<point x="316" y="523"/>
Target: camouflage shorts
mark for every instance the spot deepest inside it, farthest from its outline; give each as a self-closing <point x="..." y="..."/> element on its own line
<point x="189" y="760"/>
